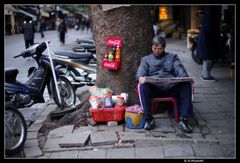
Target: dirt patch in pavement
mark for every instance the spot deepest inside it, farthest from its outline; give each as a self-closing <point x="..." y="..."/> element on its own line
<point x="78" y="118"/>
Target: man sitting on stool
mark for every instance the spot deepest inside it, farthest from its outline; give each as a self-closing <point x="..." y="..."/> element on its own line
<point x="163" y="64"/>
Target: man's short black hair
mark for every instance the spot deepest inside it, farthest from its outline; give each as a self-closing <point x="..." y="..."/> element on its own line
<point x="158" y="40"/>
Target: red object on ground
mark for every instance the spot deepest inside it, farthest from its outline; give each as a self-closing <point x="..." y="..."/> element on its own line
<point x="108" y="114"/>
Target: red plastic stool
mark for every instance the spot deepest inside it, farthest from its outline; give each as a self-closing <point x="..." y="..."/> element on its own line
<point x="154" y="101"/>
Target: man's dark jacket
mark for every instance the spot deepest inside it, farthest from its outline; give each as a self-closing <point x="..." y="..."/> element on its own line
<point x="165" y="66"/>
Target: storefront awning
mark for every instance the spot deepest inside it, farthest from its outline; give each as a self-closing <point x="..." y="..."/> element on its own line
<point x="34" y="18"/>
<point x="44" y="14"/>
<point x="82" y="14"/>
<point x="9" y="7"/>
<point x="62" y="10"/>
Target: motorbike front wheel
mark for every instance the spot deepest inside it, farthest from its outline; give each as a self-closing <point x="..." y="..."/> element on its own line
<point x="67" y="93"/>
<point x="195" y="58"/>
<point x="15" y="130"/>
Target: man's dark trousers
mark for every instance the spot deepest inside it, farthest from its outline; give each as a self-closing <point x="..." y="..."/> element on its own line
<point x="182" y="92"/>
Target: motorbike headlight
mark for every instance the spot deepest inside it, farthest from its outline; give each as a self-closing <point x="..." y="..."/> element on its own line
<point x="92" y="76"/>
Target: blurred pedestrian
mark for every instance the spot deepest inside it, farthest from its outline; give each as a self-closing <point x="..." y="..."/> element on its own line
<point x="88" y="24"/>
<point x="208" y="41"/>
<point x="62" y="29"/>
<point x="42" y="27"/>
<point x="9" y="29"/>
<point x="77" y="24"/>
<point x="28" y="31"/>
<point x="156" y="28"/>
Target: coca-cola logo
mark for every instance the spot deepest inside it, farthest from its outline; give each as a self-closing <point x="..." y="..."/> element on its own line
<point x="114" y="42"/>
<point x="109" y="65"/>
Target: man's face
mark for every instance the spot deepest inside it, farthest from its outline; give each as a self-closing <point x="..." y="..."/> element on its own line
<point x="157" y="49"/>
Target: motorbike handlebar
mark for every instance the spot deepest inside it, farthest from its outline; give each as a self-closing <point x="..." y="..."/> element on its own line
<point x="23" y="54"/>
<point x="17" y="55"/>
<point x="39" y="49"/>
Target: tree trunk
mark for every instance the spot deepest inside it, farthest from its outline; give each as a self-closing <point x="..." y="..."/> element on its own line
<point x="132" y="24"/>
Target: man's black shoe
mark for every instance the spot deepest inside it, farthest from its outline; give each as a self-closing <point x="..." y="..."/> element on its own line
<point x="149" y="125"/>
<point x="208" y="79"/>
<point x="184" y="126"/>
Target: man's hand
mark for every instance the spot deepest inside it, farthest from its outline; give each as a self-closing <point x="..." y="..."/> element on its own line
<point x="142" y="80"/>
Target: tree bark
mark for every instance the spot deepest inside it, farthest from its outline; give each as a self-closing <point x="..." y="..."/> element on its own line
<point x="132" y="24"/>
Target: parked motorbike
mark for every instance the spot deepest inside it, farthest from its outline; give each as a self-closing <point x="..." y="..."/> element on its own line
<point x="84" y="41"/>
<point x="15" y="129"/>
<point x="20" y="95"/>
<point x="83" y="45"/>
<point x="223" y="47"/>
<point x="79" y="68"/>
<point x="31" y="92"/>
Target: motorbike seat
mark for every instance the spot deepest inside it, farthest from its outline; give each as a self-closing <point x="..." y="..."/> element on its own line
<point x="81" y="41"/>
<point x="11" y="74"/>
<point x="87" y="46"/>
<point x="73" y="55"/>
<point x="84" y="47"/>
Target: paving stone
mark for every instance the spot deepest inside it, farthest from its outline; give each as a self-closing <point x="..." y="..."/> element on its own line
<point x="220" y="123"/>
<point x="64" y="154"/>
<point x="60" y="131"/>
<point x="163" y="134"/>
<point x="204" y="108"/>
<point x="148" y="142"/>
<point x="209" y="136"/>
<point x="208" y="150"/>
<point x="121" y="153"/>
<point x="204" y="129"/>
<point x="31" y="143"/>
<point x="49" y="109"/>
<point x="225" y="138"/>
<point x="217" y="129"/>
<point x="44" y="156"/>
<point x="130" y="136"/>
<point x="32" y="113"/>
<point x="34" y="127"/>
<point x="207" y="91"/>
<point x="121" y="144"/>
<point x="147" y="152"/>
<point x="52" y="145"/>
<point x="42" y="138"/>
<point x="166" y="129"/>
<point x="192" y="136"/>
<point x="162" y="115"/>
<point x="93" y="154"/>
<point x="83" y="129"/>
<point x="40" y="120"/>
<point x="163" y="122"/>
<point x="229" y="150"/>
<point x="137" y="130"/>
<point x="213" y="115"/>
<point x="104" y="127"/>
<point x="74" y="140"/>
<point x="32" y="135"/>
<point x="103" y="137"/>
<point x="178" y="150"/>
<point x="32" y="152"/>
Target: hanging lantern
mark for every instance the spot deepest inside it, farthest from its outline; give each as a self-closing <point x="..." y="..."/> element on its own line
<point x="163" y="13"/>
